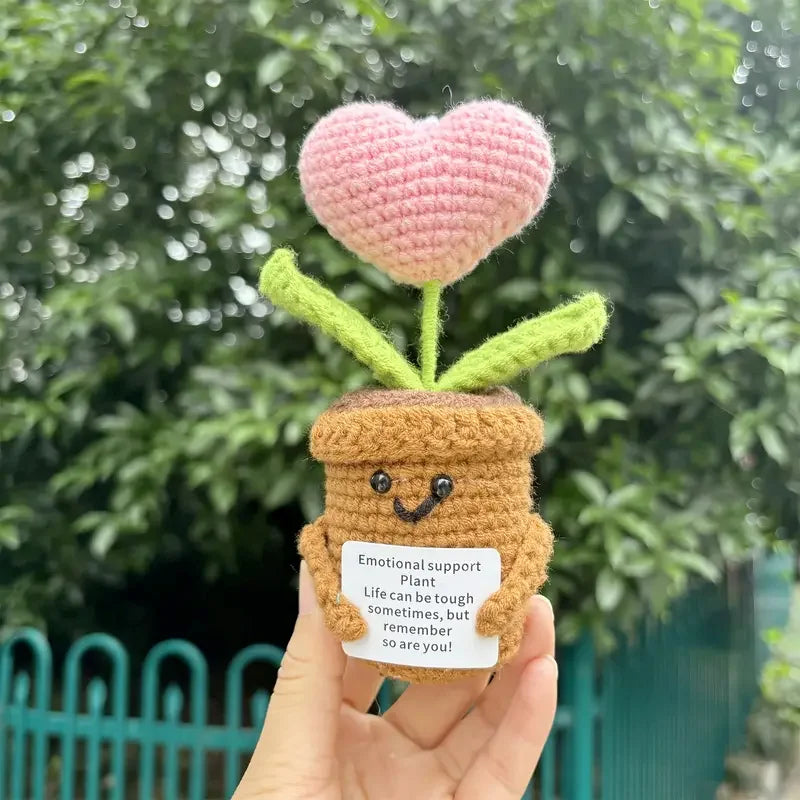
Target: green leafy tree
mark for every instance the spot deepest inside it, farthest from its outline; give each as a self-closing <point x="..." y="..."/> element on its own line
<point x="154" y="407"/>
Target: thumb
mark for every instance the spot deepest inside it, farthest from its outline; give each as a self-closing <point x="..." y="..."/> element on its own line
<point x="298" y="741"/>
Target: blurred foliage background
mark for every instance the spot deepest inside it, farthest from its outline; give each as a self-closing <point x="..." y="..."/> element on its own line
<point x="153" y="465"/>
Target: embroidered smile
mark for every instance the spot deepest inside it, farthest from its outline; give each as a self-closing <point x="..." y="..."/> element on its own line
<point x="441" y="487"/>
<point x="422" y="510"/>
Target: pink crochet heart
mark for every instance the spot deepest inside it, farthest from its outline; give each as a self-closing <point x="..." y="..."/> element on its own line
<point x="430" y="198"/>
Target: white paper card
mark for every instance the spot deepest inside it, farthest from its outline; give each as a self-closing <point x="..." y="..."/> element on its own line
<point x="420" y="603"/>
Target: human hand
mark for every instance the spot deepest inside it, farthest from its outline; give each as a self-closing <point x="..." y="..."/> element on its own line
<point x="460" y="741"/>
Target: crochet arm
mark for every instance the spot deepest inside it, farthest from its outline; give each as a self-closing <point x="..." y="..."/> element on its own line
<point x="524" y="578"/>
<point x="341" y="616"/>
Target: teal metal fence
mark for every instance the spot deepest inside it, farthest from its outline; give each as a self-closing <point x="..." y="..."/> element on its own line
<point x="87" y="747"/>
<point x="653" y="721"/>
<point x="675" y="698"/>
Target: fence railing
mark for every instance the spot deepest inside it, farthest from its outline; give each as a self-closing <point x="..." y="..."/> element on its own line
<point x="654" y="721"/>
<point x="92" y="745"/>
<point x="675" y="698"/>
<point x="86" y="745"/>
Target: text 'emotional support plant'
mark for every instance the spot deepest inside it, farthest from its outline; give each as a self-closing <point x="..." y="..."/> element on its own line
<point x="432" y="460"/>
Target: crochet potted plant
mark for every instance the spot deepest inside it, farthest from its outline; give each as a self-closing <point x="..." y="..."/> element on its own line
<point x="430" y="460"/>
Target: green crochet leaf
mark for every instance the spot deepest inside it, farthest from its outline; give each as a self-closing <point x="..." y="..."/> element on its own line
<point x="571" y="328"/>
<point x="307" y="300"/>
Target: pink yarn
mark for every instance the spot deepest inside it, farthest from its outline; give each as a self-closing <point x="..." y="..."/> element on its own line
<point x="430" y="198"/>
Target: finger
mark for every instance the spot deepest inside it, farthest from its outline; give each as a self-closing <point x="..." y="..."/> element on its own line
<point x="426" y="713"/>
<point x="304" y="707"/>
<point x="361" y="683"/>
<point x="538" y="639"/>
<point x="465" y="740"/>
<point x="504" y="767"/>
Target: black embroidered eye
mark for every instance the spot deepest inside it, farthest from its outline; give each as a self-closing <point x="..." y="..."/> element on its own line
<point x="380" y="482"/>
<point x="441" y="486"/>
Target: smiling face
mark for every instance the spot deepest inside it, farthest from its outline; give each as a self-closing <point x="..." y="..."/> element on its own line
<point x="441" y="487"/>
<point x="439" y="503"/>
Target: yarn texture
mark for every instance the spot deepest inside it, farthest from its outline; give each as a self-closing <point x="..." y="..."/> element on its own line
<point x="571" y="328"/>
<point x="429" y="332"/>
<point x="484" y="443"/>
<point x="425" y="200"/>
<point x="303" y="297"/>
<point x="429" y="198"/>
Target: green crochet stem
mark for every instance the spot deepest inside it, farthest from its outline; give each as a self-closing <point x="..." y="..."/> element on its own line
<point x="429" y="332"/>
<point x="307" y="300"/>
<point x="570" y="328"/>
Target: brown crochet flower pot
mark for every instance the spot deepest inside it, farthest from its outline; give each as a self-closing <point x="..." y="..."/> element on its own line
<point x="484" y="443"/>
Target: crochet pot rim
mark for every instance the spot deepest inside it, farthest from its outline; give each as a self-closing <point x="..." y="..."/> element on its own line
<point x="380" y="426"/>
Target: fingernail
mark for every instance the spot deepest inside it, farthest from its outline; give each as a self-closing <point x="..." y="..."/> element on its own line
<point x="307" y="599"/>
<point x="542" y="599"/>
<point x="555" y="663"/>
